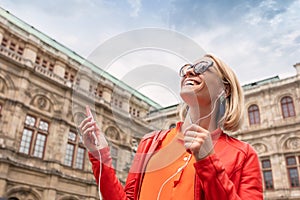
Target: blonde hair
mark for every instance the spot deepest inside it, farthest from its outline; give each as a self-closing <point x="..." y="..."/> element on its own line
<point x="234" y="95"/>
<point x="233" y="116"/>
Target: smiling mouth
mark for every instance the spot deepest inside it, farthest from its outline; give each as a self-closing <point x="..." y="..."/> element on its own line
<point x="191" y="83"/>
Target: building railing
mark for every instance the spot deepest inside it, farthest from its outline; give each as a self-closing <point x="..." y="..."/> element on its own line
<point x="11" y="54"/>
<point x="46" y="72"/>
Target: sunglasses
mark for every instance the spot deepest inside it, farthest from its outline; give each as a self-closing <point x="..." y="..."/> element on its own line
<point x="198" y="68"/>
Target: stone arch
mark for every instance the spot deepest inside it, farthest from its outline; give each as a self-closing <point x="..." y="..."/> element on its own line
<point x="6" y="84"/>
<point x="171" y="124"/>
<point x="250" y="103"/>
<point x="42" y="102"/>
<point x="279" y="97"/>
<point x="113" y="133"/>
<point x="291" y="142"/>
<point x="38" y="93"/>
<point x="20" y="191"/>
<point x="260" y="147"/>
<point x="12" y="198"/>
<point x="285" y="94"/>
<point x="78" y="117"/>
<point x="8" y="81"/>
<point x="68" y="197"/>
<point x="3" y="86"/>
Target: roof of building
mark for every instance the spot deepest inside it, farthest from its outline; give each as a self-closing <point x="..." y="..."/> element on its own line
<point x="261" y="82"/>
<point x="60" y="47"/>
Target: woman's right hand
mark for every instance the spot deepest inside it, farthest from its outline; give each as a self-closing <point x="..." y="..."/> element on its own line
<point x="92" y="138"/>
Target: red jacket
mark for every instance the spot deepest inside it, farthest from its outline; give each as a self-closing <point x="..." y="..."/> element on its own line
<point x="232" y="173"/>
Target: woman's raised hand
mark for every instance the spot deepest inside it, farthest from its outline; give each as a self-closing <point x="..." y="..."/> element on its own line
<point x="198" y="140"/>
<point x="92" y="138"/>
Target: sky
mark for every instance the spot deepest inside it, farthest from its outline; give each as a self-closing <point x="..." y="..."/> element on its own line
<point x="258" y="39"/>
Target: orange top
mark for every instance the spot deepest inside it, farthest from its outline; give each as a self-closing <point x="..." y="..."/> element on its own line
<point x="162" y="177"/>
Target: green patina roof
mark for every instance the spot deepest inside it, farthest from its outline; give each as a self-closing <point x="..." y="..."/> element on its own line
<point x="261" y="82"/>
<point x="53" y="43"/>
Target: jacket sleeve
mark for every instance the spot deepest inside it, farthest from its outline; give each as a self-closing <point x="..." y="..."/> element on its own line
<point x="111" y="188"/>
<point x="217" y="185"/>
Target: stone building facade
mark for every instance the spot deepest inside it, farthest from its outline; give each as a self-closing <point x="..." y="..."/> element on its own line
<point x="44" y="88"/>
<point x="272" y="126"/>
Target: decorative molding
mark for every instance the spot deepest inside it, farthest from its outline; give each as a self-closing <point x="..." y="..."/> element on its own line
<point x="42" y="102"/>
<point x="292" y="143"/>
<point x="260" y="148"/>
<point x="23" y="192"/>
<point x="112" y="133"/>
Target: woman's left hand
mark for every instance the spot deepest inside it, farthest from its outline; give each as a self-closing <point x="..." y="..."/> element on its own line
<point x="198" y="141"/>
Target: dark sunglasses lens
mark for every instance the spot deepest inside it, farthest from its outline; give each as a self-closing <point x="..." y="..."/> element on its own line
<point x="183" y="70"/>
<point x="202" y="67"/>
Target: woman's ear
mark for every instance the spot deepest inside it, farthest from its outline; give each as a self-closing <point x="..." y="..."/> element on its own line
<point x="227" y="90"/>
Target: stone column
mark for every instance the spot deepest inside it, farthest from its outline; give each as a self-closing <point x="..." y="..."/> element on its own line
<point x="107" y="90"/>
<point x="85" y="75"/>
<point x="4" y="168"/>
<point x="30" y="52"/>
<point x="1" y="35"/>
<point x="50" y="194"/>
<point x="125" y="103"/>
<point x="59" y="69"/>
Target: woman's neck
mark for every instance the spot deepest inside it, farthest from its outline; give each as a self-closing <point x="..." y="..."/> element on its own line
<point x="204" y="117"/>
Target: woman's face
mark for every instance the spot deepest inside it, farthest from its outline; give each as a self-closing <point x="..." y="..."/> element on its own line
<point x="200" y="89"/>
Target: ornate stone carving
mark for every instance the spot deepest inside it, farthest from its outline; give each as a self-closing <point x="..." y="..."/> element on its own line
<point x="112" y="132"/>
<point x="41" y="102"/>
<point x="260" y="148"/>
<point x="293" y="143"/>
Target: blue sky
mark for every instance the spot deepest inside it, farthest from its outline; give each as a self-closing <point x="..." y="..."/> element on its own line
<point x="257" y="38"/>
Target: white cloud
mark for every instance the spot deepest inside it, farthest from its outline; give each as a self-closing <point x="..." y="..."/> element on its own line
<point x="136" y="6"/>
<point x="257" y="41"/>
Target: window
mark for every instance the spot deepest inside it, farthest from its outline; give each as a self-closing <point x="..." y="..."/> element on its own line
<point x="172" y="126"/>
<point x="134" y="111"/>
<point x="45" y="62"/>
<point x="116" y="101"/>
<point x="75" y="152"/>
<point x="292" y="168"/>
<point x="253" y="114"/>
<point x="267" y="174"/>
<point x="4" y="42"/>
<point x="287" y="107"/>
<point x="13" y="45"/>
<point x="98" y="90"/>
<point x="70" y="75"/>
<point x="114" y="156"/>
<point x="34" y="136"/>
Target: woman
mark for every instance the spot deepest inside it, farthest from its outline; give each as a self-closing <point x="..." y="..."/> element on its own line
<point x="194" y="160"/>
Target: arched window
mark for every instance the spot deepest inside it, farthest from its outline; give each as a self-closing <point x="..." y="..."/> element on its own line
<point x="75" y="151"/>
<point x="287" y="107"/>
<point x="112" y="133"/>
<point x="267" y="174"/>
<point x="34" y="136"/>
<point x="172" y="126"/>
<point x="253" y="115"/>
<point x="293" y="165"/>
